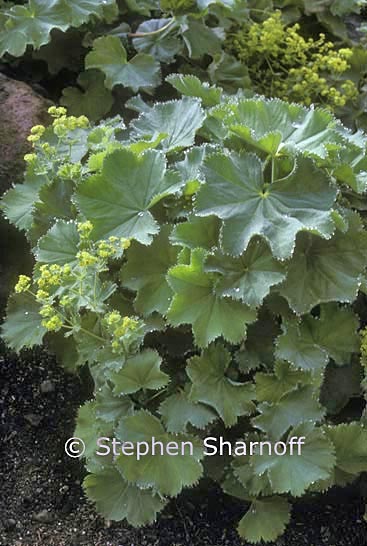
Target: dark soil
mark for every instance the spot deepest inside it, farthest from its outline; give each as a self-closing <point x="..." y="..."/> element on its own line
<point x="42" y="503"/>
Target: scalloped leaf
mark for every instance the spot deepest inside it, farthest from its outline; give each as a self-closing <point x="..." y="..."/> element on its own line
<point x="353" y="168"/>
<point x="142" y="371"/>
<point x="166" y="473"/>
<point x="18" y="203"/>
<point x="179" y="119"/>
<point x="31" y="24"/>
<point x="236" y="192"/>
<point x="117" y="201"/>
<point x="197" y="233"/>
<point x="295" y="473"/>
<point x="199" y="38"/>
<point x="110" y="56"/>
<point x="80" y="11"/>
<point x="90" y="98"/>
<point x="64" y="49"/>
<point x="194" y="302"/>
<point x="59" y="245"/>
<point x="111" y="408"/>
<point x="265" y="520"/>
<point x="293" y="127"/>
<point x="309" y="343"/>
<point x="341" y="383"/>
<point x="190" y="167"/>
<point x="292" y="409"/>
<point x="256" y="485"/>
<point x="229" y="73"/>
<point x="116" y="499"/>
<point x="211" y="386"/>
<point x="22" y="327"/>
<point x="55" y="202"/>
<point x="258" y="349"/>
<point x="146" y="270"/>
<point x="270" y="387"/>
<point x="322" y="271"/>
<point x="161" y="39"/>
<point x="178" y="411"/>
<point x="190" y="86"/>
<point x="89" y="428"/>
<point x="350" y="441"/>
<point x="248" y="278"/>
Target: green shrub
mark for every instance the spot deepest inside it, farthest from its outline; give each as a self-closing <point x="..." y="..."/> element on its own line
<point x="107" y="51"/>
<point x="282" y="63"/>
<point x="203" y="261"/>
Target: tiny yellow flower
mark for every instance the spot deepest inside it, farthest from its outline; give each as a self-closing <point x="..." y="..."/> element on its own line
<point x="33" y="138"/>
<point x="23" y="284"/>
<point x="42" y="295"/>
<point x="53" y="324"/>
<point x="86" y="259"/>
<point x="38" y="130"/>
<point x="57" y="111"/>
<point x="125" y="243"/>
<point x="113" y="318"/>
<point x="47" y="311"/>
<point x="30" y="158"/>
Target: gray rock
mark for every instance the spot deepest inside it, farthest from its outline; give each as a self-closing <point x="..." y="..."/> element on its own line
<point x="20" y="109"/>
<point x="44" y="516"/>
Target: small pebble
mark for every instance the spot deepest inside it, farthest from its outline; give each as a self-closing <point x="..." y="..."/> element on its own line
<point x="33" y="419"/>
<point x="10" y="524"/>
<point x="44" y="516"/>
<point x="47" y="386"/>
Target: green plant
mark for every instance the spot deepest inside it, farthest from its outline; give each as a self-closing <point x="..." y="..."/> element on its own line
<point x="207" y="275"/>
<point x="284" y="64"/>
<point x="108" y="51"/>
<point x="112" y="50"/>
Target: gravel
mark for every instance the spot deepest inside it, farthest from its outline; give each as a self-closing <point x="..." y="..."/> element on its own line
<point x="42" y="503"/>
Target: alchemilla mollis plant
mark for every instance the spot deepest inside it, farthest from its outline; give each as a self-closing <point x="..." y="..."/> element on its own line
<point x="204" y="262"/>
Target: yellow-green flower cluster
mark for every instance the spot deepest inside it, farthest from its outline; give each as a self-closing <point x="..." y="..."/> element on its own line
<point x="363" y="335"/>
<point x="63" y="123"/>
<point x="36" y="133"/>
<point x="70" y="171"/>
<point x="57" y="111"/>
<point x="30" y="158"/>
<point x="23" y="284"/>
<point x="105" y="249"/>
<point x="119" y="327"/>
<point x="111" y="247"/>
<point x="84" y="229"/>
<point x="52" y="321"/>
<point x="69" y="123"/>
<point x="86" y="259"/>
<point x="42" y="295"/>
<point x="51" y="276"/>
<point x="285" y="64"/>
<point x="47" y="148"/>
